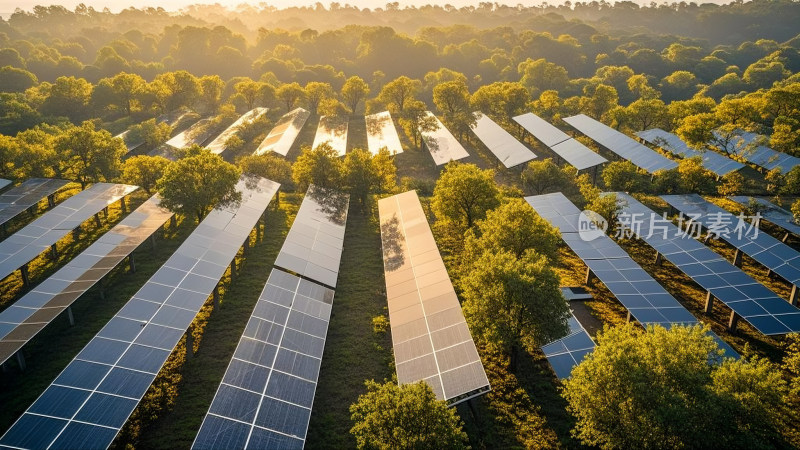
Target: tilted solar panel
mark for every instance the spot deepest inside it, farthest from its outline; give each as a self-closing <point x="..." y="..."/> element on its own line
<point x="442" y="145"/>
<point x="332" y="130"/>
<point x="747" y="145"/>
<point x="566" y="353"/>
<point x="746" y="297"/>
<point x="267" y="392"/>
<point x="382" y="133"/>
<point x="505" y="147"/>
<point x="619" y="143"/>
<point x="219" y="144"/>
<point x="430" y="336"/>
<point x="771" y="212"/>
<point x="92" y="398"/>
<point x="573" y="152"/>
<point x="313" y="247"/>
<point x="26" y="195"/>
<point x="716" y="163"/>
<point x="4" y="183"/>
<point x="49" y="228"/>
<point x="22" y="320"/>
<point x="281" y="138"/>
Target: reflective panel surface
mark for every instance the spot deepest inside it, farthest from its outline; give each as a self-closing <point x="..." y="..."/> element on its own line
<point x="283" y="135"/>
<point x="218" y="144"/>
<point x="333" y="131"/>
<point x="712" y="161"/>
<point x="27" y="194"/>
<point x="441" y="144"/>
<point x="505" y="147"/>
<point x="573" y="152"/>
<point x="382" y="133"/>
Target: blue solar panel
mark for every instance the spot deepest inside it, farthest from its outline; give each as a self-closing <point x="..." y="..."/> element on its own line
<point x="726" y="282"/>
<point x="566" y="353"/>
<point x="712" y="161"/>
<point x="572" y="151"/>
<point x="639" y="293"/>
<point x="746" y="145"/>
<point x="122" y="360"/>
<point x="267" y="391"/>
<point x="771" y="212"/>
<point x="26" y="195"/>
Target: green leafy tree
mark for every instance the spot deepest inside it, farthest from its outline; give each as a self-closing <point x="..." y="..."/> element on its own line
<point x="320" y="166"/>
<point x="290" y="94"/>
<point x="365" y="175"/>
<point x="150" y="133"/>
<point x="14" y="79"/>
<point x="501" y="100"/>
<point x="89" y="155"/>
<point x="194" y="185"/>
<point x="126" y="88"/>
<point x="269" y="166"/>
<point x="397" y="93"/>
<point x="624" y="176"/>
<point x="256" y="93"/>
<point x="68" y="97"/>
<point x="173" y="90"/>
<point x="464" y="193"/>
<point x="732" y="184"/>
<point x="452" y="99"/>
<point x="540" y="75"/>
<point x="389" y="416"/>
<point x="144" y="171"/>
<point x="545" y="176"/>
<point x="354" y="91"/>
<point x="315" y="93"/>
<point x="514" y="302"/>
<point x="211" y="88"/>
<point x="658" y="390"/>
<point x="694" y="177"/>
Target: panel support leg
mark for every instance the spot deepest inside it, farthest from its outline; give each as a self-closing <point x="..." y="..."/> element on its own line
<point x="54" y="251"/>
<point x="246" y="249"/>
<point x="26" y="282"/>
<point x="190" y="343"/>
<point x="216" y="297"/>
<point x="70" y="316"/>
<point x="76" y="233"/>
<point x="737" y="258"/>
<point x="770" y="273"/>
<point x="709" y="303"/>
<point x="233" y="269"/>
<point x="123" y="205"/>
<point x="793" y="297"/>
<point x="105" y="212"/>
<point x="589" y="276"/>
<point x="131" y="263"/>
<point x="785" y="237"/>
<point x="51" y="200"/>
<point x="629" y="318"/>
<point x="658" y="259"/>
<point x="97" y="220"/>
<point x="733" y="322"/>
<point x="21" y="360"/>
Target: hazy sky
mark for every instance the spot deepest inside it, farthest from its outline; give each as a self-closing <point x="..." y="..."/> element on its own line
<point x="8" y="6"/>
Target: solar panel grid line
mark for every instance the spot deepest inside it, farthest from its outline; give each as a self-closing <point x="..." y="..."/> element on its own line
<point x="36" y="237"/>
<point x="284" y="296"/>
<point x="716" y="163"/>
<point x="26" y="195"/>
<point x="430" y="336"/>
<point x="127" y="354"/>
<point x="747" y="298"/>
<point x="562" y="144"/>
<point x="32" y="312"/>
<point x="218" y="145"/>
<point x="333" y="131"/>
<point x="381" y="133"/>
<point x="771" y="212"/>
<point x="645" y="299"/>
<point x="500" y="142"/>
<point x="282" y="136"/>
<point x="441" y="144"/>
<point x="625" y="147"/>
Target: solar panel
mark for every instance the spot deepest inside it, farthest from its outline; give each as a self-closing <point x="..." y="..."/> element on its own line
<point x="430" y="337"/>
<point x="313" y="247"/>
<point x="332" y="130"/>
<point x="716" y="163"/>
<point x="283" y="135"/>
<point x="508" y="150"/>
<point x="772" y="212"/>
<point x="218" y="145"/>
<point x="90" y="401"/>
<point x="4" y="183"/>
<point x="26" y="195"/>
<point x="49" y="228"/>
<point x="768" y="251"/>
<point x="570" y="150"/>
<point x="170" y="119"/>
<point x="21" y="321"/>
<point x="267" y="392"/>
<point x="617" y="142"/>
<point x="566" y="353"/>
<point x="382" y="133"/>
<point x="195" y="134"/>
<point x="747" y="146"/>
<point x="746" y="297"/>
<point x="442" y="145"/>
<point x="645" y="299"/>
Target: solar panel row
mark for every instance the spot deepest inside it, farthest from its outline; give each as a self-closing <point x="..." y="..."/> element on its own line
<point x="26" y="195"/>
<point x="219" y="144"/>
<point x="747" y="145"/>
<point x="4" y="183"/>
<point x="646" y="300"/>
<point x="617" y="142"/>
<point x="382" y="133"/>
<point x="90" y="401"/>
<point x="746" y="297"/>
<point x="49" y="228"/>
<point x="505" y="147"/>
<point x="573" y="152"/>
<point x="566" y="353"/>
<point x="771" y="212"/>
<point x="716" y="163"/>
<point x="313" y="247"/>
<point x="197" y="133"/>
<point x="284" y="133"/>
<point x="442" y="145"/>
<point x="170" y="119"/>
<point x="430" y="336"/>
<point x="333" y="131"/>
<point x="21" y="321"/>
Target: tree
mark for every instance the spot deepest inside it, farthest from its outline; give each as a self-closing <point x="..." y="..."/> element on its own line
<point x="269" y="166"/>
<point x="796" y="210"/>
<point x="644" y="114"/>
<point x="541" y="177"/>
<point x="397" y="93"/>
<point x="452" y="100"/>
<point x="732" y="184"/>
<point x="69" y="97"/>
<point x="175" y="89"/>
<point x="389" y="416"/>
<point x="603" y="99"/>
<point x="126" y="87"/>
<point x="320" y="166"/>
<point x="694" y="177"/>
<point x="316" y="92"/>
<point x="211" y="87"/>
<point x="501" y="100"/>
<point x="289" y="94"/>
<point x="354" y="91"/>
<point x="623" y="176"/>
<point x="464" y="193"/>
<point x="540" y="75"/>
<point x="253" y="92"/>
<point x="144" y="171"/>
<point x="89" y="155"/>
<point x="365" y="174"/>
<point x="658" y="390"/>
<point x="415" y="120"/>
<point x="150" y="133"/>
<point x="514" y="302"/>
<point x="194" y="185"/>
<point x="14" y="79"/>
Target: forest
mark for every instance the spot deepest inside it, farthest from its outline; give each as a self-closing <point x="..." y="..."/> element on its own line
<point x="93" y="96"/>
